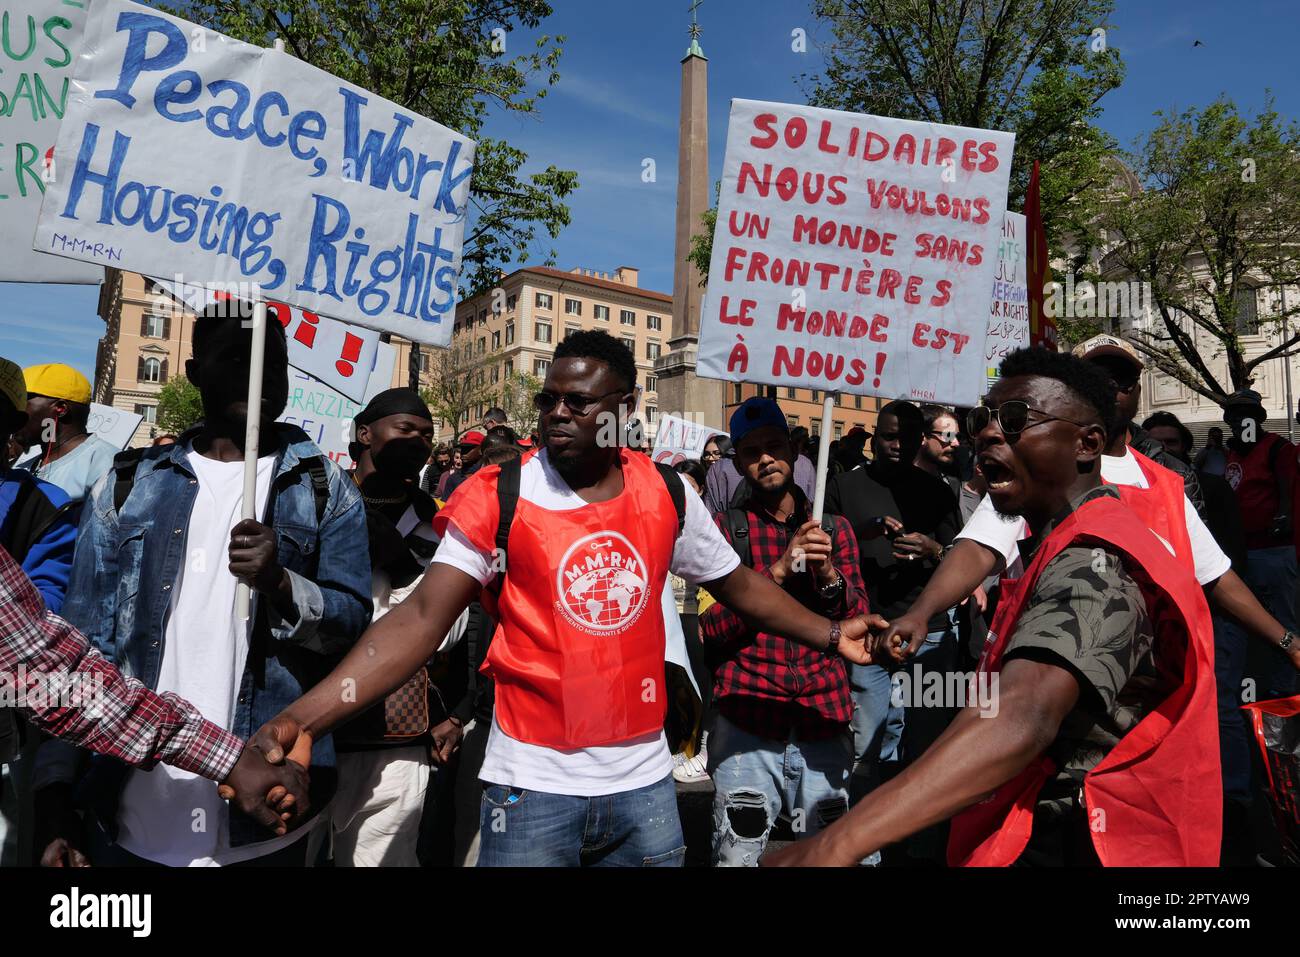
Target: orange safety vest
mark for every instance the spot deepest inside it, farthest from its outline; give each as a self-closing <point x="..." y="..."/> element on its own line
<point x="578" y="655"/>
<point x="1159" y="789"/>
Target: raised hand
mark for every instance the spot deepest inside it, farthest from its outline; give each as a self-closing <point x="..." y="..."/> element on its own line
<point x="273" y="795"/>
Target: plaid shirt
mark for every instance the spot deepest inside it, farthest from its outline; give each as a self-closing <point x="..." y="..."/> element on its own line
<point x="98" y="707"/>
<point x="772" y="686"/>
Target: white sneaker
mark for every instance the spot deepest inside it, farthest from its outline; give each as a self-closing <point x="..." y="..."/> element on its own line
<point x="691" y="770"/>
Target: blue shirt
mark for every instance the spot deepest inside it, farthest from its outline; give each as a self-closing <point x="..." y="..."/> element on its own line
<point x="48" y="558"/>
<point x="78" y="471"/>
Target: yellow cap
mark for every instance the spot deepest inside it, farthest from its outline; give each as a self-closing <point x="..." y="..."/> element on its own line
<point x="57" y="381"/>
<point x="12" y="386"/>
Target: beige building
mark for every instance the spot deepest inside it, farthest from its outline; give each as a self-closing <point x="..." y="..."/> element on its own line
<point x="516" y="326"/>
<point x="803" y="407"/>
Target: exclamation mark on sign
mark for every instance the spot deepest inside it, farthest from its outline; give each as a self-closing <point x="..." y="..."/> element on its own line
<point x="306" y="331"/>
<point x="880" y="367"/>
<point x="351" y="353"/>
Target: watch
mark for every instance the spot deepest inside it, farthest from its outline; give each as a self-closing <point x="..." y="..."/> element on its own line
<point x="834" y="589"/>
<point x="833" y="645"/>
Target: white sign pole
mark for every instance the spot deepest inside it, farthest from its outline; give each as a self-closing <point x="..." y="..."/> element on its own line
<point x="251" y="429"/>
<point x="823" y="455"/>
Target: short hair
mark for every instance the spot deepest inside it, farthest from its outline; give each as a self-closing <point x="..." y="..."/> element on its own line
<point x="695" y="469"/>
<point x="496" y="414"/>
<point x="931" y="413"/>
<point x="799" y="436"/>
<point x="499" y="437"/>
<point x="207" y="322"/>
<point x="1169" y="420"/>
<point x="600" y="345"/>
<point x="1089" y="382"/>
<point x="443" y="448"/>
<point x="907" y="413"/>
<point x="500" y="454"/>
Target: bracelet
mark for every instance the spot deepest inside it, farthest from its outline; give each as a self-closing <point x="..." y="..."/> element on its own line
<point x="1287" y="638"/>
<point x="833" y="645"/>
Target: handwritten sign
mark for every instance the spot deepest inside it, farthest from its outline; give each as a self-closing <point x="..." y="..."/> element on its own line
<point x="115" y="426"/>
<point x="679" y="439"/>
<point x="1009" y="308"/>
<point x="189" y="152"/>
<point x="334" y="352"/>
<point x="854" y="253"/>
<point x="326" y="414"/>
<point x="40" y="40"/>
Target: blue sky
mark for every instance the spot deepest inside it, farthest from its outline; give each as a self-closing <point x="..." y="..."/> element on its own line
<point x="617" y="101"/>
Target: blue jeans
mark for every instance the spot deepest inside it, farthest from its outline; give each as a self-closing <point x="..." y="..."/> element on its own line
<point x="755" y="779"/>
<point x="639" y="828"/>
<point x="1234" y="739"/>
<point x="1271" y="575"/>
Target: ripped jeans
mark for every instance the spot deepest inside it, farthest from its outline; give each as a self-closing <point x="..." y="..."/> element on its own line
<point x="756" y="779"/>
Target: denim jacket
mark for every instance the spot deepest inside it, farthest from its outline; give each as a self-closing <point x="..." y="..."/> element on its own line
<point x="125" y="566"/>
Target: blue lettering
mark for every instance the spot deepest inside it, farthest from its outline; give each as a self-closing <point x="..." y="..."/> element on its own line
<point x="135" y="61"/>
<point x="167" y="93"/>
<point x="299" y="129"/>
<point x="380" y="157"/>
<point x="259" y="117"/>
<point x="445" y="201"/>
<point x="320" y="244"/>
<point x="232" y="113"/>
<point x="107" y="181"/>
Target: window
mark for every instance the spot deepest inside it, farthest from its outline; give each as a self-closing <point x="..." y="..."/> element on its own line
<point x="425" y="359"/>
<point x="789" y="393"/>
<point x="769" y="391"/>
<point x="792" y="421"/>
<point x="652" y="350"/>
<point x="571" y="329"/>
<point x="149" y="412"/>
<point x="540" y="366"/>
<point x="543" y="300"/>
<point x="857" y="402"/>
<point x="510" y="303"/>
<point x="735" y="391"/>
<point x="816" y="396"/>
<point x="510" y="332"/>
<point x="481" y="346"/>
<point x="650" y="413"/>
<point x="627" y="318"/>
<point x="630" y="342"/>
<point x="496" y="374"/>
<point x="152" y="369"/>
<point x="542" y="331"/>
<point x="1247" y="310"/>
<point x="155" y="327"/>
<point x="496" y="339"/>
<point x="573" y="307"/>
<point x="510" y="368"/>
<point x="839" y="429"/>
<point x="652" y="383"/>
<point x="653" y="323"/>
<point x="601" y="313"/>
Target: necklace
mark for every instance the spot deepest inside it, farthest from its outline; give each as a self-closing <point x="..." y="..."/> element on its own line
<point x="382" y="501"/>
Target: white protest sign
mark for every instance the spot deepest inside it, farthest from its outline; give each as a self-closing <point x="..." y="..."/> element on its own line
<point x="854" y="253"/>
<point x="40" y="40"/>
<point x="326" y="414"/>
<point x="115" y="426"/>
<point x="189" y="152"/>
<point x="1009" y="308"/>
<point x="338" y="354"/>
<point x="679" y="439"/>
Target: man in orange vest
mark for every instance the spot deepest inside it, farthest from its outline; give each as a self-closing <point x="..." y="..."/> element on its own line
<point x="1101" y="747"/>
<point x="577" y="770"/>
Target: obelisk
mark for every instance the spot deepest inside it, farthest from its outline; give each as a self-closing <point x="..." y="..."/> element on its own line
<point x="680" y="392"/>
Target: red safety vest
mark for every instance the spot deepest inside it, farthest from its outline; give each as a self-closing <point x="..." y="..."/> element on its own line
<point x="1161" y="506"/>
<point x="1159" y="790"/>
<point x="578" y="655"/>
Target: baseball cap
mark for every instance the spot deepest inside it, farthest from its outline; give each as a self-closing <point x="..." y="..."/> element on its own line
<point x="13" y="387"/>
<point x="471" y="438"/>
<point x="1243" y="398"/>
<point x="57" y="381"/>
<point x="755" y="413"/>
<point x="1105" y="345"/>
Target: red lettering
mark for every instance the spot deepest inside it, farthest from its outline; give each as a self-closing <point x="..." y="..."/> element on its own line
<point x="990" y="154"/>
<point x="943" y="295"/>
<point x="767" y="123"/>
<point x="880" y="149"/>
<point x="757" y="267"/>
<point x="744" y="317"/>
<point x="823" y="140"/>
<point x="879" y="324"/>
<point x="918" y="334"/>
<point x="969" y="153"/>
<point x="796" y="131"/>
<point x="735" y="257"/>
<point x="787" y="315"/>
<point x="910" y="296"/>
<point x="890" y="279"/>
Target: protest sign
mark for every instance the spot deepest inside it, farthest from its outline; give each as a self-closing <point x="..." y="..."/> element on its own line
<point x="338" y="354"/>
<point x="679" y="439"/>
<point x="41" y="39"/>
<point x="326" y="414"/>
<point x="854" y="253"/>
<point x="1009" y="308"/>
<point x="115" y="426"/>
<point x="192" y="153"/>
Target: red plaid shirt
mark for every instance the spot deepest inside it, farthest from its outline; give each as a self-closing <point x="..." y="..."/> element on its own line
<point x="72" y="692"/>
<point x="770" y="685"/>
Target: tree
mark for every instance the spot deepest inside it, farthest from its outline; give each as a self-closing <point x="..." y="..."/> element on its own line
<point x="459" y="385"/>
<point x="179" y="405"/>
<point x="516" y="399"/>
<point x="446" y="60"/>
<point x="1209" y="224"/>
<point x="1038" y="68"/>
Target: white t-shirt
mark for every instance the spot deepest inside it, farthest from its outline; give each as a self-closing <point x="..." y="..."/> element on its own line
<point x="166" y="815"/>
<point x="1001" y="534"/>
<point x="701" y="554"/>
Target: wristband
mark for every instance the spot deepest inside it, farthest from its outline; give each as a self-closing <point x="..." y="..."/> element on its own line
<point x="833" y="645"/>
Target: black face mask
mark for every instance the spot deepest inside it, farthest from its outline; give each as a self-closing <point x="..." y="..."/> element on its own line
<point x="401" y="457"/>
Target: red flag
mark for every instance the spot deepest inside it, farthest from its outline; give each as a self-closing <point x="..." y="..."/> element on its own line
<point x="1042" y="330"/>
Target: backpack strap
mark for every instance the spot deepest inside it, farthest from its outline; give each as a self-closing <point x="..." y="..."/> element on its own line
<point x="676" y="490"/>
<point x="125" y="464"/>
<point x="507" y="500"/>
<point x="320" y="484"/>
<point x="738" y="535"/>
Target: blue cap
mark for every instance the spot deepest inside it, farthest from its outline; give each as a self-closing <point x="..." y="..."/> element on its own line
<point x="753" y="414"/>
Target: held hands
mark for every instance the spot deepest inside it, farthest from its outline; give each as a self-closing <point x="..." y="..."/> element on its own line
<point x="899" y="640"/>
<point x="854" y="645"/>
<point x="253" y="556"/>
<point x="273" y="795"/>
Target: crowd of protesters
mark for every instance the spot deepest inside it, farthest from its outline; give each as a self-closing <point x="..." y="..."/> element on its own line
<point x="1007" y="619"/>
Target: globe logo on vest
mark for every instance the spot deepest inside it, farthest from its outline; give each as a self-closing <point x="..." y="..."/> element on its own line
<point x="601" y="583"/>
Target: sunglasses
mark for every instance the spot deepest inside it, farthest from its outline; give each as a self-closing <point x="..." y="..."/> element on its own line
<point x="1011" y="416"/>
<point x="945" y="438"/>
<point x="577" y="404"/>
